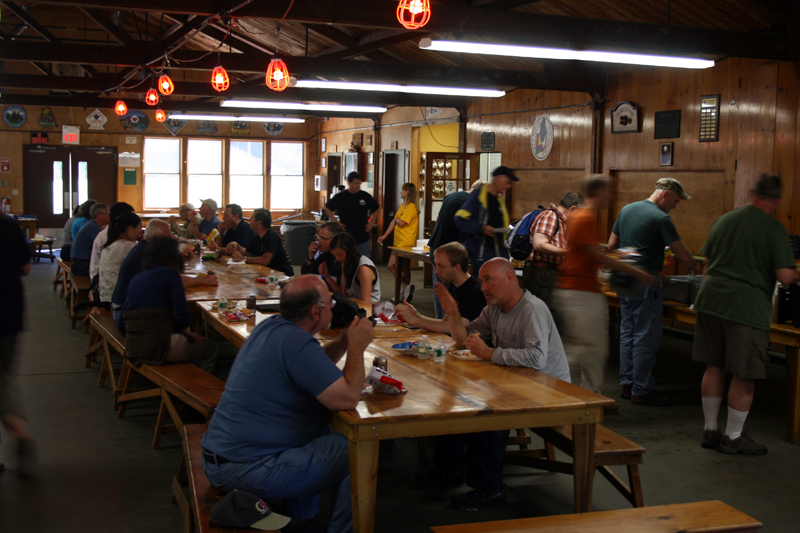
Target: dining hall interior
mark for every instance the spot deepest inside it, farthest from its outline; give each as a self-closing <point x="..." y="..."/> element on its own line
<point x="364" y="87"/>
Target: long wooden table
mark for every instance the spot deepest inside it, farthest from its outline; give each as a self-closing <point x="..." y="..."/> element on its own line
<point x="406" y="255"/>
<point x="235" y="281"/>
<point x="783" y="334"/>
<point x="449" y="398"/>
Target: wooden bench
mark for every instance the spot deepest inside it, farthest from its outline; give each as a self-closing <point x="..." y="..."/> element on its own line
<point x="609" y="449"/>
<point x="62" y="277"/>
<point x="184" y="381"/>
<point x="708" y="517"/>
<point x="79" y="292"/>
<point x="104" y="327"/>
<point x="192" y="491"/>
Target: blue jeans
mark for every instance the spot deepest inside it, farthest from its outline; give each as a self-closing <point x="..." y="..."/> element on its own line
<point x="437" y="305"/>
<point x="483" y="465"/>
<point x="364" y="249"/>
<point x="298" y="476"/>
<point x="639" y="338"/>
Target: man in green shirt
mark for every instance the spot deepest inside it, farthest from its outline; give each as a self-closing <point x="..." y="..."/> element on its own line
<point x="746" y="251"/>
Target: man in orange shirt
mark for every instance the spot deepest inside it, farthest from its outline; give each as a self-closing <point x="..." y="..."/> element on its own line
<point x="581" y="305"/>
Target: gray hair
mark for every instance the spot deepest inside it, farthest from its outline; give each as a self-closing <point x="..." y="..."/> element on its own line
<point x="299" y="296"/>
<point x="96" y="210"/>
<point x="571" y="199"/>
<point x="156" y="228"/>
<point x="768" y="187"/>
<point x="477" y="184"/>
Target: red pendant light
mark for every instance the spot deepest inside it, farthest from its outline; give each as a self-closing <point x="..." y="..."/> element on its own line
<point x="151" y="98"/>
<point x="219" y="79"/>
<point x="277" y="74"/>
<point x="165" y="85"/>
<point x="120" y="108"/>
<point x="160" y="116"/>
<point x="414" y="14"/>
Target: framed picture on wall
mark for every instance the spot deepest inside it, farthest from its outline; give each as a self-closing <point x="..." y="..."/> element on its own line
<point x="323" y="145"/>
<point x="666" y="154"/>
<point x="323" y="163"/>
<point x="625" y="118"/>
<point x="370" y="158"/>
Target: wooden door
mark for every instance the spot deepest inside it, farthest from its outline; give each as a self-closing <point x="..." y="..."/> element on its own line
<point x="95" y="168"/>
<point x="47" y="185"/>
<point x="394" y="176"/>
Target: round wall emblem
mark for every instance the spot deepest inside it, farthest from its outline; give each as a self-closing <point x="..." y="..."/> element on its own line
<point x="542" y="138"/>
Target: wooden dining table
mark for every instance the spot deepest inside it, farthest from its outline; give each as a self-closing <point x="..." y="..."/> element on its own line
<point x="235" y="281"/>
<point x="448" y="398"/>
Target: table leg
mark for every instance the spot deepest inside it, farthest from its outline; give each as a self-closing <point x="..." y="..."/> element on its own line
<point x="583" y="465"/>
<point x="363" y="484"/>
<point x="792" y="393"/>
<point x="398" y="277"/>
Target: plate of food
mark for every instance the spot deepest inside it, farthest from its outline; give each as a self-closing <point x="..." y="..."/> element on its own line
<point x="465" y="355"/>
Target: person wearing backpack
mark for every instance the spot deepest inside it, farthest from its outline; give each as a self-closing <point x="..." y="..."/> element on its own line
<point x="548" y="240"/>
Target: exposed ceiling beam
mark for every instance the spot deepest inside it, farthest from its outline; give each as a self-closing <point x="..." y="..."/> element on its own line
<point x="118" y="34"/>
<point x="30" y="21"/>
<point x="345" y="40"/>
<point x="502" y="4"/>
<point x="133" y="56"/>
<point x="375" y="41"/>
<point x="514" y="26"/>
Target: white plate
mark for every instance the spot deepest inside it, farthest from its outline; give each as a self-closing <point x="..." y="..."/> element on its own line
<point x="465" y="355"/>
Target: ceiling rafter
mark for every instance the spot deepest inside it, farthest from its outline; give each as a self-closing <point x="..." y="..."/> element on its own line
<point x="345" y="40"/>
<point x="374" y="41"/>
<point x="117" y="33"/>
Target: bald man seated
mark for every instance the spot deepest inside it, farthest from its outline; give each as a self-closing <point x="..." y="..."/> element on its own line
<point x="270" y="434"/>
<point x="514" y="329"/>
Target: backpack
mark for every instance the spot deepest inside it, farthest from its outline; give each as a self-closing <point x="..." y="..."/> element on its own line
<point x="519" y="241"/>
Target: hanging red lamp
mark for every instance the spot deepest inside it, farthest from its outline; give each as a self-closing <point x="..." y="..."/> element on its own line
<point x="277" y="74"/>
<point x="219" y="79"/>
<point x="414" y="14"/>
<point x="161" y="116"/>
<point x="151" y="98"/>
<point x="120" y="108"/>
<point x="165" y="85"/>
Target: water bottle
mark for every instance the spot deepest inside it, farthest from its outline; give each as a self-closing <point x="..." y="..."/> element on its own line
<point x="424" y="348"/>
<point x="440" y="352"/>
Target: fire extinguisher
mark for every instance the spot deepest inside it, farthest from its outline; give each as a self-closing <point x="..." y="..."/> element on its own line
<point x="5" y="205"/>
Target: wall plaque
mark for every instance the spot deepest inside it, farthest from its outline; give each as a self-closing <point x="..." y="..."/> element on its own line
<point x="542" y="138"/>
<point x="667" y="124"/>
<point x="709" y="118"/>
<point x="487" y="141"/>
<point x="625" y="118"/>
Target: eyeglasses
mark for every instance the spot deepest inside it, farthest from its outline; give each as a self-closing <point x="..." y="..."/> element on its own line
<point x="323" y="304"/>
<point x="321" y="238"/>
<point x="441" y="267"/>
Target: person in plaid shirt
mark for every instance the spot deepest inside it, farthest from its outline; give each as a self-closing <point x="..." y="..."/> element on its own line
<point x="548" y="235"/>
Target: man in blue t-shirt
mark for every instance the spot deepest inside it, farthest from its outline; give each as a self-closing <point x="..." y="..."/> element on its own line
<point x="208" y="210"/>
<point x="233" y="229"/>
<point x="647" y="227"/>
<point x="269" y="434"/>
<point x="81" y="252"/>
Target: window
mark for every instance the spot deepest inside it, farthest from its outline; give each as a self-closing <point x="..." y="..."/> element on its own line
<point x="58" y="188"/>
<point x="286" y="176"/>
<point x="205" y="170"/>
<point x="83" y="181"/>
<point x="247" y="174"/>
<point x="162" y="179"/>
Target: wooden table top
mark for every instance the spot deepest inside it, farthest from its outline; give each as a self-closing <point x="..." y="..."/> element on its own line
<point x="235" y="281"/>
<point x="406" y="251"/>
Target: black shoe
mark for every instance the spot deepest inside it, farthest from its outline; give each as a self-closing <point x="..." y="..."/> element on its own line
<point x="652" y="398"/>
<point x="711" y="438"/>
<point x="476" y="499"/>
<point x="744" y="445"/>
<point x="410" y="294"/>
<point x="435" y="478"/>
<point x="626" y="392"/>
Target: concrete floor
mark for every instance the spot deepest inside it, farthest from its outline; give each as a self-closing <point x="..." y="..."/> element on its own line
<point x="99" y="474"/>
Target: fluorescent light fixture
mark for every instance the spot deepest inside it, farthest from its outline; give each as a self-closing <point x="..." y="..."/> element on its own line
<point x="229" y="118"/>
<point x="294" y="106"/>
<point x="561" y="53"/>
<point x="390" y="88"/>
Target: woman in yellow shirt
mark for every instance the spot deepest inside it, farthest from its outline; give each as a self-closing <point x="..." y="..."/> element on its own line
<point x="406" y="222"/>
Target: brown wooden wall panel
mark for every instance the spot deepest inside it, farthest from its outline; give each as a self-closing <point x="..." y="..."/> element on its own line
<point x="542" y="187"/>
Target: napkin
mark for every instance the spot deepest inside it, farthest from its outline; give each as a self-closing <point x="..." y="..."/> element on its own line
<point x="232" y="262"/>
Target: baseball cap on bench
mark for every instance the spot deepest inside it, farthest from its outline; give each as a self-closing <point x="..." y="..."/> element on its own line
<point x="245" y="509"/>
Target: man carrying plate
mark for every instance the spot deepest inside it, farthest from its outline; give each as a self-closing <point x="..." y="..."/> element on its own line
<point x="514" y="329"/>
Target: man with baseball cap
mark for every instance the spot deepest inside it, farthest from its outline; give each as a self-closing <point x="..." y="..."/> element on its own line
<point x="647" y="227"/>
<point x="186" y="212"/>
<point x="483" y="219"/>
<point x="202" y="229"/>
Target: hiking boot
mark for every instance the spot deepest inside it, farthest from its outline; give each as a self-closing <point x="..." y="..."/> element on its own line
<point x="711" y="438"/>
<point x="436" y="478"/>
<point x="626" y="392"/>
<point x="477" y="499"/>
<point x="652" y="398"/>
<point x="744" y="445"/>
<point x="410" y="294"/>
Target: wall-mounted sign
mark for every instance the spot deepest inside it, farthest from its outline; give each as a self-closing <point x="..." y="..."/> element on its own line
<point x="130" y="159"/>
<point x="709" y="118"/>
<point x="207" y="126"/>
<point x="240" y="127"/>
<point x="542" y="138"/>
<point x="174" y="125"/>
<point x="130" y="140"/>
<point x="5" y="165"/>
<point x="667" y="124"/>
<point x="40" y="137"/>
<point x="625" y="118"/>
<point x="96" y="120"/>
<point x="487" y="141"/>
<point x="274" y="128"/>
<point x="15" y="116"/>
<point x="70" y="135"/>
<point x="47" y="120"/>
<point x="666" y="154"/>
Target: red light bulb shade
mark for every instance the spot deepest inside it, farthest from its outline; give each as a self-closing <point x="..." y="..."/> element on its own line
<point x="151" y="98"/>
<point x="120" y="108"/>
<point x="277" y="75"/>
<point x="160" y="116"/>
<point x="219" y="79"/>
<point x="165" y="85"/>
<point x="414" y="14"/>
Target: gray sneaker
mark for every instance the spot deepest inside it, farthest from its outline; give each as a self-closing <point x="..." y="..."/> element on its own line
<point x="711" y="438"/>
<point x="744" y="445"/>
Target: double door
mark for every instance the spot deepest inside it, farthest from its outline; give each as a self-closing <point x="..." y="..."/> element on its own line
<point x="59" y="178"/>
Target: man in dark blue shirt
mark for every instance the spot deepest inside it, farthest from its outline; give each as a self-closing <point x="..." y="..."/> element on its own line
<point x="208" y="210"/>
<point x="266" y="248"/>
<point x="81" y="252"/>
<point x="233" y="229"/>
<point x="358" y="211"/>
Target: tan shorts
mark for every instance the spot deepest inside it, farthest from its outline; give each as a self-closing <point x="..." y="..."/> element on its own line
<point x="740" y="349"/>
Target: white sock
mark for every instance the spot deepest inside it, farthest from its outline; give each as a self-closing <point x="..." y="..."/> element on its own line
<point x="403" y="291"/>
<point x="735" y="423"/>
<point x="711" y="412"/>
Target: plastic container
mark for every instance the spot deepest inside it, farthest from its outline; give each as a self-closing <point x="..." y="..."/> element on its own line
<point x="298" y="235"/>
<point x="439" y="352"/>
<point x="677" y="288"/>
<point x="424" y="348"/>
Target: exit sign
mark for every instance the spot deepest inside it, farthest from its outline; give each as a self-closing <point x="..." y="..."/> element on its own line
<point x="70" y="135"/>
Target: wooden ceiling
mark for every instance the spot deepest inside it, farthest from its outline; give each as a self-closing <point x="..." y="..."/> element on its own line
<point x="78" y="53"/>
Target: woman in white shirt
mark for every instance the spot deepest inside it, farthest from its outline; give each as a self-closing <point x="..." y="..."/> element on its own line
<point x="359" y="277"/>
<point x="122" y="236"/>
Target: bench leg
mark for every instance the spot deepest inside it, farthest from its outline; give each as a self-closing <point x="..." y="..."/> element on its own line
<point x="636" y="486"/>
<point x="166" y="407"/>
<point x="57" y="280"/>
<point x="583" y="465"/>
<point x="180" y="481"/>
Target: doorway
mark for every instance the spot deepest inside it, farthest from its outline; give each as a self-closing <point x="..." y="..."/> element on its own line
<point x="59" y="178"/>
<point x="334" y="172"/>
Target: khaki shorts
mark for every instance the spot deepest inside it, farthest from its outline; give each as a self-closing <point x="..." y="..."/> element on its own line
<point x="740" y="349"/>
